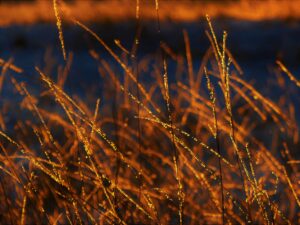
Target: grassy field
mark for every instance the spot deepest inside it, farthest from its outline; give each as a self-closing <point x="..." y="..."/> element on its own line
<point x="166" y="142"/>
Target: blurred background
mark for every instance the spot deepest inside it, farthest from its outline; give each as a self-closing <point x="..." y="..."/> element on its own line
<point x="260" y="32"/>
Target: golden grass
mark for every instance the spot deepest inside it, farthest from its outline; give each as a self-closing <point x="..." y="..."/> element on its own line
<point x="59" y="27"/>
<point x="159" y="152"/>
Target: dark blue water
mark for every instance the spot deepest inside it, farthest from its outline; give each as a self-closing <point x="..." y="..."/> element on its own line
<point x="255" y="45"/>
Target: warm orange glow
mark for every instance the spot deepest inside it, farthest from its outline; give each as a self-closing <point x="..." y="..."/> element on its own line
<point x="28" y="13"/>
<point x="159" y="138"/>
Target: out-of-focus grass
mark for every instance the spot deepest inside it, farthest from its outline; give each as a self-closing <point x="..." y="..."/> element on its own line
<point x="38" y="11"/>
<point x="188" y="147"/>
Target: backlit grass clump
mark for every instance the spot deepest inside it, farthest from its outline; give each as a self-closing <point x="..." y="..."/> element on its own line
<point x="194" y="146"/>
